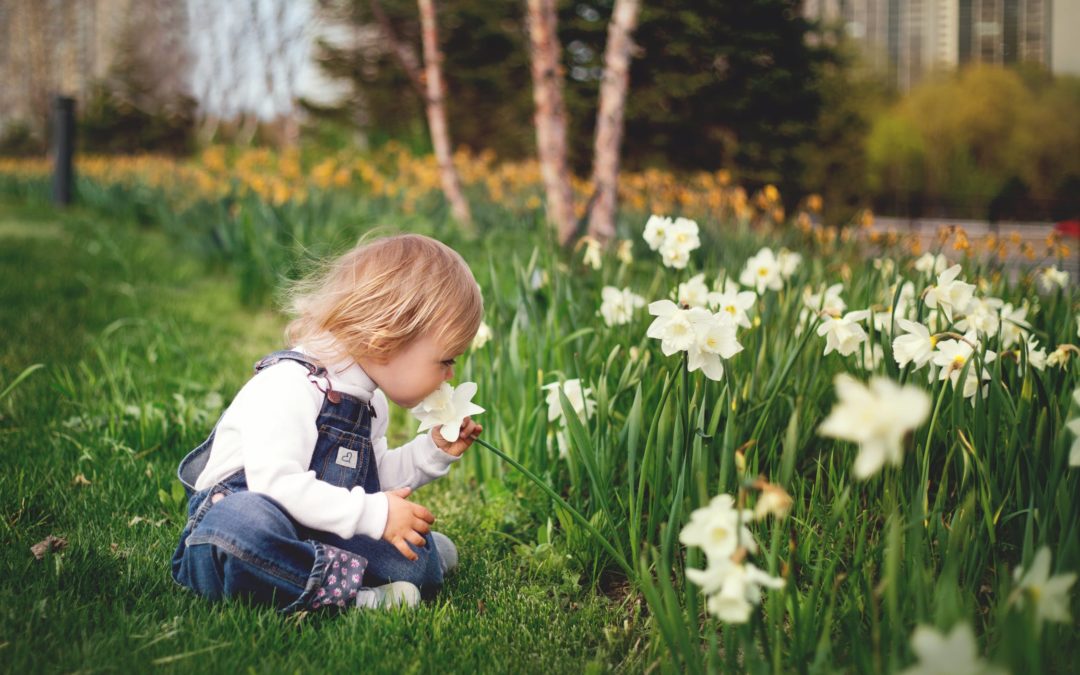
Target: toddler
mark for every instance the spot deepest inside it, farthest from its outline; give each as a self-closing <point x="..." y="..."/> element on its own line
<point x="294" y="499"/>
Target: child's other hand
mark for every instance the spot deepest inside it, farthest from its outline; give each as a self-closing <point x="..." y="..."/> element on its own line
<point x="469" y="431"/>
<point x="406" y="523"/>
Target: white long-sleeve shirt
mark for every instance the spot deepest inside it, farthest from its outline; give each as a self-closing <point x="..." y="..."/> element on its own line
<point x="269" y="430"/>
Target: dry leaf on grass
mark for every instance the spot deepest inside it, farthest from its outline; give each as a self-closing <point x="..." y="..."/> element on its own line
<point x="80" y="480"/>
<point x="49" y="543"/>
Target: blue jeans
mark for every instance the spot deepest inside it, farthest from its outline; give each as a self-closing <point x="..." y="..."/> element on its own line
<point x="243" y="544"/>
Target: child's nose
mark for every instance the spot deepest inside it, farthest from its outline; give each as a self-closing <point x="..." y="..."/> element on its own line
<point x="449" y="373"/>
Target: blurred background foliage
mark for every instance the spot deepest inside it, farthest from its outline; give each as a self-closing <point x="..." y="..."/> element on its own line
<point x="747" y="86"/>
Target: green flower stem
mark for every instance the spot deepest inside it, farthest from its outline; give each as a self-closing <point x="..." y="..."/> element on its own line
<point x="563" y="503"/>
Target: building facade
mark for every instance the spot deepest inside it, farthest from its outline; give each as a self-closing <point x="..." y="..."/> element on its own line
<point x="911" y="39"/>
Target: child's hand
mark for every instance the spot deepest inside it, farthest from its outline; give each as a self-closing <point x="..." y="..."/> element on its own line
<point x="406" y="522"/>
<point x="469" y="431"/>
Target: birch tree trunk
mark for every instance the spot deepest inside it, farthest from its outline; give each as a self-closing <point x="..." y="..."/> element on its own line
<point x="550" y="116"/>
<point x="436" y="114"/>
<point x="609" y="119"/>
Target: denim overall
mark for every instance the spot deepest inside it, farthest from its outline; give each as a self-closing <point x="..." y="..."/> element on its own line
<point x="242" y="543"/>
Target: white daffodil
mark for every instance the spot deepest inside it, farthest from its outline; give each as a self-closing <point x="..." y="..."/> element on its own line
<point x="762" y="271"/>
<point x="583" y="406"/>
<point x="1052" y="278"/>
<point x="981" y="315"/>
<point x="671" y="326"/>
<point x="949" y="294"/>
<point x="844" y="334"/>
<point x="1059" y="357"/>
<point x="592" y="253"/>
<point x="1035" y="356"/>
<point x="789" y="261"/>
<point x="447" y="407"/>
<point x="1074" y="427"/>
<point x="538" y="279"/>
<point x="734" y="589"/>
<point x="883" y="321"/>
<point x="734" y="303"/>
<point x="674" y="257"/>
<point x="656" y="231"/>
<point x="954" y="654"/>
<point x="1078" y="325"/>
<point x="930" y="264"/>
<point x="716" y="529"/>
<point x="827" y="301"/>
<point x="916" y="345"/>
<point x="729" y="285"/>
<point x="876" y="417"/>
<point x="774" y="501"/>
<point x="715" y="340"/>
<point x="873" y="356"/>
<point x="952" y="355"/>
<point x="625" y="251"/>
<point x="1014" y="324"/>
<point x="1048" y="594"/>
<point x="694" y="292"/>
<point x="684" y="233"/>
<point x="482" y="337"/>
<point x="617" y="307"/>
<point x="679" y="238"/>
<point x="885" y="265"/>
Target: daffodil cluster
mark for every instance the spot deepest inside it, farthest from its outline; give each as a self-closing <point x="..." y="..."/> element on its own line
<point x="673" y="239"/>
<point x="617" y="306"/>
<point x="707" y="338"/>
<point x="732" y="584"/>
<point x="768" y="270"/>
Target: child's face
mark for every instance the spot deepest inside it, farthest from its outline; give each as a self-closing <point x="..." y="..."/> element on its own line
<point x="412" y="373"/>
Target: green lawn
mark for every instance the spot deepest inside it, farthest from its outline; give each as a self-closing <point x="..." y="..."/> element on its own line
<point x="141" y="348"/>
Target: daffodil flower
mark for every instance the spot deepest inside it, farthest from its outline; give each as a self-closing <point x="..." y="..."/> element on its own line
<point x="482" y="337"/>
<point x="579" y="398"/>
<point x="915" y="346"/>
<point x="447" y="407"/>
<point x="949" y="294"/>
<point x="844" y="334"/>
<point x="1049" y="594"/>
<point x="694" y="292"/>
<point x="716" y="529"/>
<point x="671" y="326"/>
<point x="1013" y="323"/>
<point x="762" y="271"/>
<point x="954" y="654"/>
<point x="1052" y="278"/>
<point x="617" y="307"/>
<point x="734" y="303"/>
<point x="930" y="264"/>
<point x="952" y="355"/>
<point x="1074" y="427"/>
<point x="982" y="315"/>
<point x="877" y="417"/>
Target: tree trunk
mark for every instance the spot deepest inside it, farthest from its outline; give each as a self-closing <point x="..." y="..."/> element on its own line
<point x="402" y="54"/>
<point x="436" y="115"/>
<point x="550" y="116"/>
<point x="609" y="119"/>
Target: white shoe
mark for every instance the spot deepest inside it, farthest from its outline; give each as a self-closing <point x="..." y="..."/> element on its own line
<point x="447" y="551"/>
<point x="393" y="594"/>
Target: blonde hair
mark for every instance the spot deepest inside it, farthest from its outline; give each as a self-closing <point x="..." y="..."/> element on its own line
<point x="378" y="297"/>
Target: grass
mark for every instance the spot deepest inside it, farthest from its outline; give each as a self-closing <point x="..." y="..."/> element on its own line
<point x="141" y="348"/>
<point x="935" y="541"/>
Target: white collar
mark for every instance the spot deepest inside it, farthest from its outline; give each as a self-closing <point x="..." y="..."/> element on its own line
<point x="346" y="376"/>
